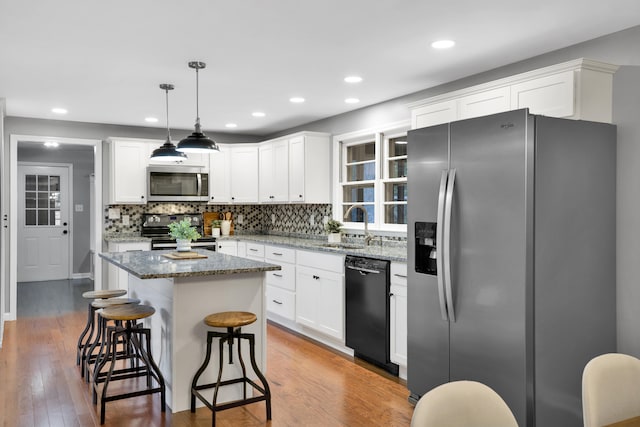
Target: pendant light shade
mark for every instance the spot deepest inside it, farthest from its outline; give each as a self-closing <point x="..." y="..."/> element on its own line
<point x="197" y="142"/>
<point x="167" y="152"/>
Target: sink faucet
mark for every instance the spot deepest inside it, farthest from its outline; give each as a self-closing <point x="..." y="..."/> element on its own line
<point x="367" y="235"/>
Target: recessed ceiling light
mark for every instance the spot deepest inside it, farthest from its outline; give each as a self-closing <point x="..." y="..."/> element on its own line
<point x="353" y="79"/>
<point x="443" y="44"/>
<point x="296" y="100"/>
<point x="151" y="119"/>
<point x="258" y="114"/>
<point x="352" y="100"/>
<point x="59" y="110"/>
<point x="51" y="144"/>
<point x="231" y="125"/>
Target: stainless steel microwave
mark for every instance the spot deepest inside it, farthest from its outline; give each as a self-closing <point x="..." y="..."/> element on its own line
<point x="177" y="184"/>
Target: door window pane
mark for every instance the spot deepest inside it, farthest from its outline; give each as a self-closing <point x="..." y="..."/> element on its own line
<point x="398" y="146"/>
<point x="42" y="200"/>
<point x="398" y="168"/>
<point x="361" y="172"/>
<point x="361" y="152"/>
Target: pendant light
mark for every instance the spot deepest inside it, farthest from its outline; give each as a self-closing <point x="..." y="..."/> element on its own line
<point x="167" y="152"/>
<point x="197" y="142"/>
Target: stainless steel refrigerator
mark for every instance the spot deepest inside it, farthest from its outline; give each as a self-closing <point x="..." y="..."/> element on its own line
<point x="511" y="251"/>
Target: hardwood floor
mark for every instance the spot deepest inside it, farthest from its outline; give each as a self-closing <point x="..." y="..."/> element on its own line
<point x="40" y="384"/>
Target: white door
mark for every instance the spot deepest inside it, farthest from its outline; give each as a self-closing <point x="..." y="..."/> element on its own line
<point x="43" y="223"/>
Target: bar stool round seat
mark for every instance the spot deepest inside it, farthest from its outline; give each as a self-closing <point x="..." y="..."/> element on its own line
<point x="88" y="355"/>
<point x="136" y="341"/>
<point x="87" y="334"/>
<point x="104" y="293"/>
<point x="232" y="321"/>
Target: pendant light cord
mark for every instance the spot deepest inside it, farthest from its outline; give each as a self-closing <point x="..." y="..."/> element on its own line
<point x="197" y="100"/>
<point x="166" y="91"/>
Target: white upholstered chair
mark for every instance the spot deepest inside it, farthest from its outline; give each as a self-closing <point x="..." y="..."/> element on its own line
<point x="610" y="389"/>
<point x="462" y="404"/>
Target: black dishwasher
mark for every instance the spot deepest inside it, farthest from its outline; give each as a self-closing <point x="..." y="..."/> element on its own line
<point x="367" y="310"/>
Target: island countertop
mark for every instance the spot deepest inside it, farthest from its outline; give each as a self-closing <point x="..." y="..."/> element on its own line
<point x="154" y="265"/>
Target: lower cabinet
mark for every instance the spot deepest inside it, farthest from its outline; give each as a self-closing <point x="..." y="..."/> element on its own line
<point x="119" y="278"/>
<point x="398" y="326"/>
<point x="320" y="293"/>
<point x="229" y="247"/>
<point x="281" y="302"/>
<point x="281" y="284"/>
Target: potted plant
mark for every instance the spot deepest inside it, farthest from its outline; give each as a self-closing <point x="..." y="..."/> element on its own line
<point x="333" y="227"/>
<point x="215" y="227"/>
<point x="184" y="233"/>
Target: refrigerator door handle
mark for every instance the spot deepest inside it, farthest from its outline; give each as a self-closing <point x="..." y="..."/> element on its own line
<point x="451" y="182"/>
<point x="439" y="244"/>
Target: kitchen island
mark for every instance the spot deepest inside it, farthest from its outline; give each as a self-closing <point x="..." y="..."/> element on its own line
<point x="183" y="292"/>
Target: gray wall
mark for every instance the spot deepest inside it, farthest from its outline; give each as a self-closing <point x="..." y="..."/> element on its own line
<point x="620" y="48"/>
<point x="81" y="157"/>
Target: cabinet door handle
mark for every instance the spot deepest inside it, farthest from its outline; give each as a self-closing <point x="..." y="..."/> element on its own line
<point x="276" y="253"/>
<point x="253" y="250"/>
<point x="277" y="275"/>
<point x="400" y="275"/>
<point x="277" y="302"/>
<point x="391" y="294"/>
<point x="316" y="277"/>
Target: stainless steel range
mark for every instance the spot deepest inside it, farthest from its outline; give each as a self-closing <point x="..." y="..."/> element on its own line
<point x="156" y="226"/>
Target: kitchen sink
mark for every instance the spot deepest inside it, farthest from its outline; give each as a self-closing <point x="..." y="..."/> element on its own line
<point x="342" y="246"/>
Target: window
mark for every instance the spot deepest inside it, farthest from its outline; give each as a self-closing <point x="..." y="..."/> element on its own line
<point x="372" y="175"/>
<point x="42" y="200"/>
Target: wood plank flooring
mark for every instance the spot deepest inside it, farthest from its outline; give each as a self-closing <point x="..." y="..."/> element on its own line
<point x="40" y="384"/>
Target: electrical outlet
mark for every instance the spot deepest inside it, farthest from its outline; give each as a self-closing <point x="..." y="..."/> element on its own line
<point x="239" y="219"/>
<point x="312" y="220"/>
<point x="114" y="213"/>
<point x="273" y="218"/>
<point x="125" y="219"/>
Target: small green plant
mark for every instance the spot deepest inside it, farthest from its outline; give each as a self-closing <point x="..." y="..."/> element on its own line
<point x="183" y="230"/>
<point x="333" y="226"/>
<point x="215" y="223"/>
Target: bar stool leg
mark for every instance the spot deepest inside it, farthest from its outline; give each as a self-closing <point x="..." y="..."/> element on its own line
<point x="89" y="325"/>
<point x="254" y="365"/>
<point x="244" y="369"/>
<point x="199" y="372"/>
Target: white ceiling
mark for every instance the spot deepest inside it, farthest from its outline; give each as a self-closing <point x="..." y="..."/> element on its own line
<point x="103" y="61"/>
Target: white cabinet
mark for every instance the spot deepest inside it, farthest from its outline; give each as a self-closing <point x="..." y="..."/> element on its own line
<point x="310" y="168"/>
<point x="119" y="278"/>
<point x="434" y="114"/>
<point x="580" y="89"/>
<point x="320" y="292"/>
<point x="281" y="285"/>
<point x="255" y="251"/>
<point x="398" y="326"/>
<point x="126" y="171"/>
<point x="229" y="247"/>
<point x="244" y="173"/>
<point x="274" y="171"/>
<point x="220" y="175"/>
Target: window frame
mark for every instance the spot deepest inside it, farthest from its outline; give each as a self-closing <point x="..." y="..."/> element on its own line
<point x="380" y="135"/>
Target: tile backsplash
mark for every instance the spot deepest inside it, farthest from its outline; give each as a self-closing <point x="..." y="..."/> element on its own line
<point x="276" y="219"/>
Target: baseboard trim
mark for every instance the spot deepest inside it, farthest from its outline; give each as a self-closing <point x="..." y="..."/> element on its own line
<point x="81" y="276"/>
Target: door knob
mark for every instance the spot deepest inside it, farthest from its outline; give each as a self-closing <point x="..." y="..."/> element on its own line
<point x="65" y="232"/>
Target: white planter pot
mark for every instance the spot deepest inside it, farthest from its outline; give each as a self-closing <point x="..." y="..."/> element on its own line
<point x="334" y="238"/>
<point x="215" y="232"/>
<point x="225" y="227"/>
<point x="183" y="245"/>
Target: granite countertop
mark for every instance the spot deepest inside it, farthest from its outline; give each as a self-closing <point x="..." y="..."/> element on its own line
<point x="392" y="253"/>
<point x="153" y="265"/>
<point x="124" y="237"/>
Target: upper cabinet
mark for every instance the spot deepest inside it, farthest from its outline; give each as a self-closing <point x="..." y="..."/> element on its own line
<point x="126" y="167"/>
<point x="579" y="89"/>
<point x="244" y="173"/>
<point x="310" y="168"/>
<point x="220" y="175"/>
<point x="274" y="171"/>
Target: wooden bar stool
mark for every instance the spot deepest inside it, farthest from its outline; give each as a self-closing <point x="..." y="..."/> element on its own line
<point x="232" y="321"/>
<point x="88" y="331"/>
<point x="88" y="355"/>
<point x="136" y="336"/>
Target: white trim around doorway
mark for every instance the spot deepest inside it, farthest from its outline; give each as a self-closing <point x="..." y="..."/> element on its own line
<point x="13" y="208"/>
